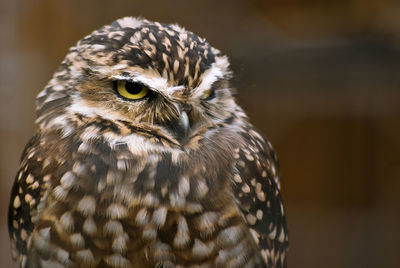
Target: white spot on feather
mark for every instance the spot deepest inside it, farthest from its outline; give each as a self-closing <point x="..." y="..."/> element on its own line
<point x="63" y="256"/>
<point x="130" y="22"/>
<point x="77" y="240"/>
<point x="255" y="235"/>
<point x="159" y="216"/>
<point x="181" y="238"/>
<point x="272" y="234"/>
<point x="184" y="186"/>
<point x="245" y="188"/>
<point x="281" y="237"/>
<point x="89" y="226"/>
<point x="113" y="228"/>
<point x="259" y="214"/>
<point x="87" y="205"/>
<point x="116" y="260"/>
<point x="86" y="256"/>
<point x="60" y="193"/>
<point x="119" y="243"/>
<point x="17" y="202"/>
<point x="149" y="233"/>
<point x="29" y="179"/>
<point x="202" y="188"/>
<point x="116" y="211"/>
<point x="68" y="180"/>
<point x="142" y="217"/>
<point x="67" y="221"/>
<point x="45" y="233"/>
<point x="251" y="219"/>
<point x="201" y="250"/>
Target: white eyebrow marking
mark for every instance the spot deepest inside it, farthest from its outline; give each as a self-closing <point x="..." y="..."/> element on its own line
<point x="171" y="90"/>
<point x="217" y="71"/>
<point x="156" y="83"/>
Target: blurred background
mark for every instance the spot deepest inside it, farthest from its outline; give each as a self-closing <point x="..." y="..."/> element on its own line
<point x="320" y="78"/>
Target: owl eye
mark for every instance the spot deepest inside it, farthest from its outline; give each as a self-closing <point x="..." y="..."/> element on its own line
<point x="209" y="94"/>
<point x="131" y="90"/>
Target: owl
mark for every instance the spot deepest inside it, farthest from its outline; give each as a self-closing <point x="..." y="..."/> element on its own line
<point x="142" y="158"/>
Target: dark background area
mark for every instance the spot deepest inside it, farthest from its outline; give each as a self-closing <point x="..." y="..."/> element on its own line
<point x="320" y="78"/>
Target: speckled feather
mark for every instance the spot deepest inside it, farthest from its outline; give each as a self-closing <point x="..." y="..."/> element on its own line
<point x="107" y="182"/>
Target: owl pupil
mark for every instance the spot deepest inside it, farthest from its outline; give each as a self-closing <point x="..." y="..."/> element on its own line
<point x="133" y="88"/>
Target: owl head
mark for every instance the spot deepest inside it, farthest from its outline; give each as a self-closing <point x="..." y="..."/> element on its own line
<point x="159" y="78"/>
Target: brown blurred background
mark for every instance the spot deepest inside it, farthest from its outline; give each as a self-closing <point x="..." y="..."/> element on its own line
<point x="320" y="78"/>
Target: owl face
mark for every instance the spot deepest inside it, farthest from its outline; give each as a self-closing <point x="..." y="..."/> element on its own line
<point x="158" y="77"/>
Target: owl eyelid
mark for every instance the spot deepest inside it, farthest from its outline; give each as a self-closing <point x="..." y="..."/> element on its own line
<point x="130" y="80"/>
<point x="210" y="94"/>
<point x="151" y="84"/>
<point x="213" y="88"/>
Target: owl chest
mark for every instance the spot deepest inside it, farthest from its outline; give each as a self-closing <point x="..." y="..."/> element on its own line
<point x="142" y="236"/>
<point x="142" y="212"/>
<point x="117" y="208"/>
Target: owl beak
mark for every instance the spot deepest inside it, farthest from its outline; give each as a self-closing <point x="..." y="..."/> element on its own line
<point x="184" y="122"/>
<point x="182" y="131"/>
<point x="182" y="128"/>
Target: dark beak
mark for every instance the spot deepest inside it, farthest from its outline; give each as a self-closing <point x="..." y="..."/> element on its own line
<point x="181" y="127"/>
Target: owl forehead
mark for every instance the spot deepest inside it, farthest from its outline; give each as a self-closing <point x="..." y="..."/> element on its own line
<point x="170" y="51"/>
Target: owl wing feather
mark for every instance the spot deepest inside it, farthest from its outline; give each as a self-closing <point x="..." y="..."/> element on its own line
<point x="44" y="163"/>
<point x="27" y="193"/>
<point x="256" y="187"/>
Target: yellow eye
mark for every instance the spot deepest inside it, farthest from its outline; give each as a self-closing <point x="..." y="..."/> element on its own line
<point x="131" y="90"/>
<point x="209" y="94"/>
